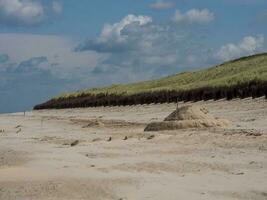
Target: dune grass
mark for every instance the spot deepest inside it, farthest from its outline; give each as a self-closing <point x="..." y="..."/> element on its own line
<point x="227" y="74"/>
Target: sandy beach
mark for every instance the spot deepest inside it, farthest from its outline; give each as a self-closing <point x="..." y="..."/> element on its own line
<point x="104" y="153"/>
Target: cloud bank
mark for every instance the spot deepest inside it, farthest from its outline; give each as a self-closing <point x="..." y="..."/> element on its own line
<point x="143" y="49"/>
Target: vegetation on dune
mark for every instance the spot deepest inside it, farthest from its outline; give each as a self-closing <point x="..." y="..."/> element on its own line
<point x="230" y="73"/>
<point x="244" y="77"/>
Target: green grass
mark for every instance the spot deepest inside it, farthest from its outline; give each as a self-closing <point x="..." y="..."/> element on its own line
<point x="230" y="73"/>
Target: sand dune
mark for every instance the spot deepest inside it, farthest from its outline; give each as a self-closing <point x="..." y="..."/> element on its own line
<point x="104" y="153"/>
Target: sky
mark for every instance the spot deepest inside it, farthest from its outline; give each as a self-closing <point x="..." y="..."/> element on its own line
<point x="48" y="47"/>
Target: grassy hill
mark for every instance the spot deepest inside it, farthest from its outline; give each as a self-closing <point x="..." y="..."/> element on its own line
<point x="236" y="73"/>
<point x="230" y="73"/>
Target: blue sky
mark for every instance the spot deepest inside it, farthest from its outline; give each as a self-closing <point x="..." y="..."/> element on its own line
<point x="53" y="46"/>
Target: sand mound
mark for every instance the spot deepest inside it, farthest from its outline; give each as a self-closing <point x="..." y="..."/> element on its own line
<point x="187" y="117"/>
<point x="189" y="113"/>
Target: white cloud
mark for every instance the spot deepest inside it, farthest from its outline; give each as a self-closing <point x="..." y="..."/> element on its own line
<point x="161" y="5"/>
<point x="193" y="16"/>
<point x="57" y="7"/>
<point x="114" y="37"/>
<point x="249" y="45"/>
<point x="114" y="30"/>
<point x="25" y="12"/>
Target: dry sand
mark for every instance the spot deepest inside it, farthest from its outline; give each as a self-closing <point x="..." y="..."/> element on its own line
<point x="103" y="153"/>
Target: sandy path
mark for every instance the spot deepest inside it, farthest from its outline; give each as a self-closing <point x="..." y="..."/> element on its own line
<point x="37" y="160"/>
